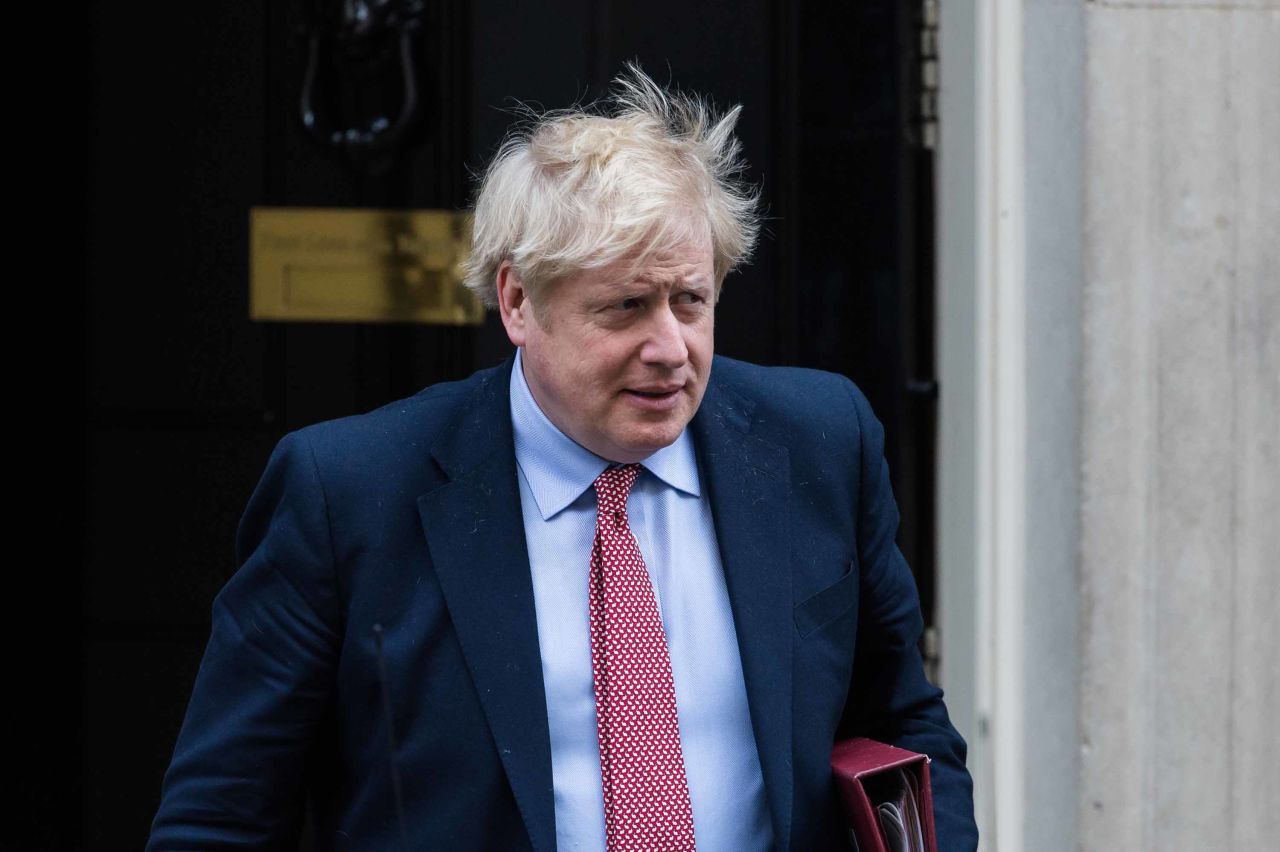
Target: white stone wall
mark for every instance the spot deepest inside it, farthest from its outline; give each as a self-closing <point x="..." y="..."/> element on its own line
<point x="1137" y="259"/>
<point x="1180" y="427"/>
<point x="1053" y="97"/>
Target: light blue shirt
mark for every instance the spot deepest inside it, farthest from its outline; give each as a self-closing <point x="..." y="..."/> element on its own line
<point x="671" y="520"/>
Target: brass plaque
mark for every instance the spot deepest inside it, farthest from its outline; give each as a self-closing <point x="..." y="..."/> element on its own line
<point x="329" y="264"/>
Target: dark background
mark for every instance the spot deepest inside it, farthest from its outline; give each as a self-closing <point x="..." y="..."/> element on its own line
<point x="192" y="120"/>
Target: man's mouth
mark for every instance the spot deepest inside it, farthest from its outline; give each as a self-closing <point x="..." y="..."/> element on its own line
<point x="655" y="399"/>
<point x="656" y="392"/>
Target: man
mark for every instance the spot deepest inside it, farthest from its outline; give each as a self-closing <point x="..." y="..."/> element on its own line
<point x="616" y="593"/>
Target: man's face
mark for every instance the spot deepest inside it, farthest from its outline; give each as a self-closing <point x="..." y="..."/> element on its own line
<point x="618" y="358"/>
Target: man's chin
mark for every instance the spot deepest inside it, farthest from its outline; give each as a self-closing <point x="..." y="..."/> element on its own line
<point x="649" y="442"/>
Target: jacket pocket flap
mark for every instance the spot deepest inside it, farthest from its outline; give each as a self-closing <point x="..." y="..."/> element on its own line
<point x="829" y="604"/>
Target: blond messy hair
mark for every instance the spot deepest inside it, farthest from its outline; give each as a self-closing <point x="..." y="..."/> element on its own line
<point x="581" y="188"/>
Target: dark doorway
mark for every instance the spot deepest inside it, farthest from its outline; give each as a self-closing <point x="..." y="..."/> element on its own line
<point x="193" y="123"/>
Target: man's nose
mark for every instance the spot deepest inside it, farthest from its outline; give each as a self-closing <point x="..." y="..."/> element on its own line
<point x="665" y="343"/>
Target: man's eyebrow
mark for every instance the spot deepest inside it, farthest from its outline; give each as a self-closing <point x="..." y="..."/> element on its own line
<point x="618" y="285"/>
<point x="649" y="281"/>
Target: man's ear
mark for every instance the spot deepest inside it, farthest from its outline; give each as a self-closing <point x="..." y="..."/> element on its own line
<point x="513" y="303"/>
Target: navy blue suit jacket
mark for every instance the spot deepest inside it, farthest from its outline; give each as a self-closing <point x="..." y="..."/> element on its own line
<point x="406" y="520"/>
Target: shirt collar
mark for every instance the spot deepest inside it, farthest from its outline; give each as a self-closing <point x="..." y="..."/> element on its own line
<point x="559" y="470"/>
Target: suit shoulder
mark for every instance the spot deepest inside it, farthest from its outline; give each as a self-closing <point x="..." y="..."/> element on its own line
<point x="382" y="437"/>
<point x="803" y="391"/>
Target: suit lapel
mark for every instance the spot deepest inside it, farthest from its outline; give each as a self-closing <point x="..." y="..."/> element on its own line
<point x="475" y="533"/>
<point x="750" y="494"/>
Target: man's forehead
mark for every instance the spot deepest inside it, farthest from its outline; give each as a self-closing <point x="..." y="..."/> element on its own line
<point x="686" y="265"/>
<point x="686" y="275"/>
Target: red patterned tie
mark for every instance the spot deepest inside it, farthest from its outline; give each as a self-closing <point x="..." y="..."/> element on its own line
<point x="646" y="795"/>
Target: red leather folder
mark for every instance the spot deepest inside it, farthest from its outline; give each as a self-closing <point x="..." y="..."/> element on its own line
<point x="867" y="774"/>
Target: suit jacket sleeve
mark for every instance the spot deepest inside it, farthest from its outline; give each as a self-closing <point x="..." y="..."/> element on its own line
<point x="236" y="778"/>
<point x="891" y="699"/>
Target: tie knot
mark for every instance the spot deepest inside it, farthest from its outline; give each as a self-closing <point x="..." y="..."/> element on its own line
<point x="614" y="484"/>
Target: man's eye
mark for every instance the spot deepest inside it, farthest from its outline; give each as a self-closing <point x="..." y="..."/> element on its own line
<point x="690" y="298"/>
<point x="627" y="304"/>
